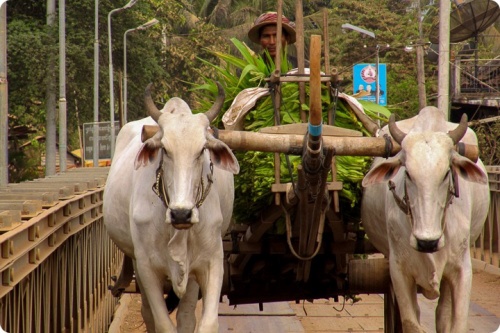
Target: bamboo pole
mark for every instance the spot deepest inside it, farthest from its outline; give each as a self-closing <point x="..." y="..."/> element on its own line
<point x="315" y="81"/>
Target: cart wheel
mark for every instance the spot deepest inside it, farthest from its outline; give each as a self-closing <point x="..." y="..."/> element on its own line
<point x="392" y="318"/>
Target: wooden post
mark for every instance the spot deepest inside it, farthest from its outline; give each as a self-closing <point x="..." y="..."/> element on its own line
<point x="277" y="96"/>
<point x="299" y="44"/>
<point x="422" y="98"/>
<point x="326" y="47"/>
<point x="444" y="58"/>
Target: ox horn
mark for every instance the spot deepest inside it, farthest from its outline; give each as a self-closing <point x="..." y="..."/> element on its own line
<point x="397" y="134"/>
<point x="217" y="106"/>
<point x="458" y="133"/>
<point x="150" y="105"/>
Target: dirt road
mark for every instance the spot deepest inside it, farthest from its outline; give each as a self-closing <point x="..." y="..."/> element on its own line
<point x="327" y="316"/>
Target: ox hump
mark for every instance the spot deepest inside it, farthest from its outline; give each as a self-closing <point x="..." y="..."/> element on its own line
<point x="176" y="105"/>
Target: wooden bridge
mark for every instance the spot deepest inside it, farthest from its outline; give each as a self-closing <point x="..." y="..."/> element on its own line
<point x="57" y="261"/>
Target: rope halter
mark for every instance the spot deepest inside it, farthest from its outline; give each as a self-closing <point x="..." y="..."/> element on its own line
<point x="203" y="190"/>
<point x="404" y="203"/>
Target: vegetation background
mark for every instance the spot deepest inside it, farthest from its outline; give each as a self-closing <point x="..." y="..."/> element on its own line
<point x="169" y="54"/>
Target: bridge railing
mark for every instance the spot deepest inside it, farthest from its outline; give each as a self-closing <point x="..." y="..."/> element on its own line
<point x="487" y="246"/>
<point x="57" y="259"/>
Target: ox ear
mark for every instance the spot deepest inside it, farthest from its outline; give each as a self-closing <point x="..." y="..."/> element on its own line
<point x="148" y="151"/>
<point x="468" y="169"/>
<point x="382" y="172"/>
<point x="149" y="131"/>
<point x="221" y="156"/>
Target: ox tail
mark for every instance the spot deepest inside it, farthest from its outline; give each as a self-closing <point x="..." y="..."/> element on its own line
<point x="172" y="300"/>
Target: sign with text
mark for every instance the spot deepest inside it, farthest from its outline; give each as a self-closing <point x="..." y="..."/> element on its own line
<point x="104" y="130"/>
<point x="365" y="78"/>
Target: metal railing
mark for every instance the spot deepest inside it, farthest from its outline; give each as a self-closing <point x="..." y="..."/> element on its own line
<point x="56" y="265"/>
<point x="473" y="76"/>
<point x="487" y="246"/>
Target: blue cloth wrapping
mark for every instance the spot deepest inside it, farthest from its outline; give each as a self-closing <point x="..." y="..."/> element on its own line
<point x="315" y="130"/>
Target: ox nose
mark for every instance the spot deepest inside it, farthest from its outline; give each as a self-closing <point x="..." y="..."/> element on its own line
<point x="427" y="246"/>
<point x="181" y="216"/>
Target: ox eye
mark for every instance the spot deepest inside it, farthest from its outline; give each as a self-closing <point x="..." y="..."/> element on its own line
<point x="446" y="175"/>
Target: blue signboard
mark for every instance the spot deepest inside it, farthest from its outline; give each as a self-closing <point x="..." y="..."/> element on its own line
<point x="364" y="78"/>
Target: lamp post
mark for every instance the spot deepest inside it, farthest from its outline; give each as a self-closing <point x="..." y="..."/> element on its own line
<point x="372" y="35"/>
<point x="141" y="27"/>
<point x="111" y="88"/>
<point x="95" y="143"/>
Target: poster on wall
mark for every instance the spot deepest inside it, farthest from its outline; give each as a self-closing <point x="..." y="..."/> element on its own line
<point x="364" y="82"/>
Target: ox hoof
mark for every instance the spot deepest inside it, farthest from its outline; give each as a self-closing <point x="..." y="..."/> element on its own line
<point x="116" y="292"/>
<point x="114" y="278"/>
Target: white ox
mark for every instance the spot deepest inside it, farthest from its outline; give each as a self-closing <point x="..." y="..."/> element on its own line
<point x="426" y="224"/>
<point x="177" y="241"/>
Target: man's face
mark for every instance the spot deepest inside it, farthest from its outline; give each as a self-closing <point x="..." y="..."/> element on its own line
<point x="268" y="39"/>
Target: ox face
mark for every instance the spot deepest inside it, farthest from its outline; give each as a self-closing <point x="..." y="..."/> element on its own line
<point x="426" y="181"/>
<point x="428" y="186"/>
<point x="188" y="153"/>
<point x="186" y="166"/>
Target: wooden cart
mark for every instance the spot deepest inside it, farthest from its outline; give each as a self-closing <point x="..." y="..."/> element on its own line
<point x="317" y="256"/>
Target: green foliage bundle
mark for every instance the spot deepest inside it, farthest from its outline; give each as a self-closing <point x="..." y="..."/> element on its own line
<point x="253" y="184"/>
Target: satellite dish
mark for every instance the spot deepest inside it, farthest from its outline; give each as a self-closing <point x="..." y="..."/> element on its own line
<point x="433" y="53"/>
<point x="468" y="20"/>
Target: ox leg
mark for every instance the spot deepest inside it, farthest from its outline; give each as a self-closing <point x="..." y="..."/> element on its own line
<point x="210" y="282"/>
<point x="146" y="313"/>
<point x="186" y="318"/>
<point x="443" y="309"/>
<point x="154" y="308"/>
<point x="406" y="295"/>
<point x="126" y="275"/>
<point x="460" y="292"/>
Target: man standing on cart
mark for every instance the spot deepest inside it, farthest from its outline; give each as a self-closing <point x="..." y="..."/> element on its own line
<point x="264" y="32"/>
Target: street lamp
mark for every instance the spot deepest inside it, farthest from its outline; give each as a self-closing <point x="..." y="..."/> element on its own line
<point x="111" y="88"/>
<point x="141" y="27"/>
<point x="372" y="35"/>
